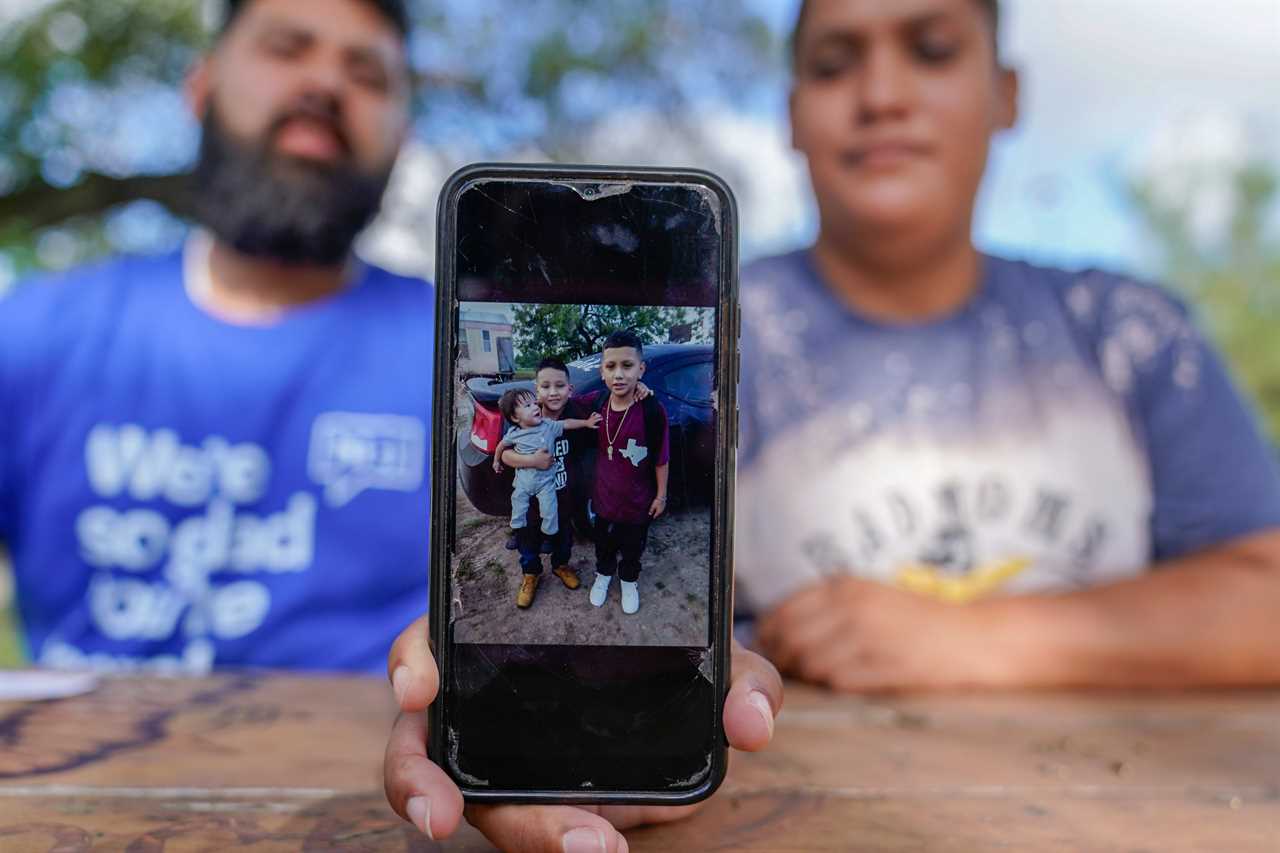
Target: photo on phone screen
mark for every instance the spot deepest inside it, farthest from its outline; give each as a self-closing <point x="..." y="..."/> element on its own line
<point x="580" y="568"/>
<point x="536" y="378"/>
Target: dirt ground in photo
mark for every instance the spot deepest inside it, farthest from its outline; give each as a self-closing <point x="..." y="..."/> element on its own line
<point x="674" y="585"/>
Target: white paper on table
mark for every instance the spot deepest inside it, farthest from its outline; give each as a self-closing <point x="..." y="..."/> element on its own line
<point x="27" y="685"/>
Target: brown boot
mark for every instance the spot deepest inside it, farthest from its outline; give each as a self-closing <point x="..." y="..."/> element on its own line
<point x="568" y="575"/>
<point x="528" y="587"/>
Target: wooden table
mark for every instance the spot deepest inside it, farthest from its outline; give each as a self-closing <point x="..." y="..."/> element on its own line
<point x="269" y="763"/>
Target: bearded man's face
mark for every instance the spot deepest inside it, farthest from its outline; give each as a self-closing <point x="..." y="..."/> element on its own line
<point x="304" y="107"/>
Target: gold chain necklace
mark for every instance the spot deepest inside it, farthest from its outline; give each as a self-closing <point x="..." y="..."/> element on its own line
<point x="612" y="438"/>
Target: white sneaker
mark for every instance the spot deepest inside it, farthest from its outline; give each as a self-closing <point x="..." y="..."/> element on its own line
<point x="600" y="589"/>
<point x="630" y="596"/>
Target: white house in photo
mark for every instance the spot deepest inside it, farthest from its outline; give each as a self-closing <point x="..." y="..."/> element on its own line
<point x="484" y="341"/>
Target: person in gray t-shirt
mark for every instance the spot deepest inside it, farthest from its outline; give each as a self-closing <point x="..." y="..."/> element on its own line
<point x="960" y="471"/>
<point x="533" y="432"/>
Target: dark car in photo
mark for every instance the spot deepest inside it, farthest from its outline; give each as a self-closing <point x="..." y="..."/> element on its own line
<point x="681" y="378"/>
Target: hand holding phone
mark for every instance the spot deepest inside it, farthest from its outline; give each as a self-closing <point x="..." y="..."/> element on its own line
<point x="409" y="777"/>
<point x="590" y="313"/>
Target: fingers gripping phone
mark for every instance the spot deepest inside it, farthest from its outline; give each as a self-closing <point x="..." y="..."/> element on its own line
<point x="582" y="506"/>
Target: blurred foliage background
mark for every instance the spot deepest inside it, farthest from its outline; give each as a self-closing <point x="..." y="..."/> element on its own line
<point x="86" y="84"/>
<point x="95" y="139"/>
<point x="1234" y="281"/>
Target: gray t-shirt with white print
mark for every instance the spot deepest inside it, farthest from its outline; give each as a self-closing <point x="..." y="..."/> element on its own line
<point x="1059" y="431"/>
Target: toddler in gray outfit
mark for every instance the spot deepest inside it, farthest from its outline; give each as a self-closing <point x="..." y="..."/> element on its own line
<point x="533" y="432"/>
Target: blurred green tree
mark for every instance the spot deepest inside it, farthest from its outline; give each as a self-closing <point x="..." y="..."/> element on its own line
<point x="571" y="332"/>
<point x="1232" y="277"/>
<point x="68" y="69"/>
<point x="91" y="120"/>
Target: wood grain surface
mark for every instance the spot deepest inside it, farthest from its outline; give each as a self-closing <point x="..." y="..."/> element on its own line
<point x="268" y="762"/>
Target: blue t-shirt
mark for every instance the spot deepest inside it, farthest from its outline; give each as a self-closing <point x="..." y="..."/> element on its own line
<point x="1059" y="431"/>
<point x="178" y="492"/>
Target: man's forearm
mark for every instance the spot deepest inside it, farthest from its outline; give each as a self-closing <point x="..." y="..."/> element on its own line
<point x="1207" y="619"/>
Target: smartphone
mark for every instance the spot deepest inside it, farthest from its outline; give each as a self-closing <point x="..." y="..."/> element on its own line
<point x="581" y="587"/>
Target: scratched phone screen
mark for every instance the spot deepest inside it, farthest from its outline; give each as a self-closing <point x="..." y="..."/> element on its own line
<point x="583" y="534"/>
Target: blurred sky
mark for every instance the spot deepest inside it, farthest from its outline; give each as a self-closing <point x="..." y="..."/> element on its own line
<point x="1118" y="88"/>
<point x="1180" y="91"/>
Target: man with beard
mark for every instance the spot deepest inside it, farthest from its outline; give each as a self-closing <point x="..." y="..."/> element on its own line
<point x="218" y="458"/>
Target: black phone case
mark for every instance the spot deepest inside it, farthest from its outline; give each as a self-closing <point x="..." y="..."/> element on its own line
<point x="444" y="460"/>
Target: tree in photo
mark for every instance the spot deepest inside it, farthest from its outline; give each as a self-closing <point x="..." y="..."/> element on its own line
<point x="574" y="331"/>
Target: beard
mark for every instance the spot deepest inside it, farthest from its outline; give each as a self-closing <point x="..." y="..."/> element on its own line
<point x="285" y="209"/>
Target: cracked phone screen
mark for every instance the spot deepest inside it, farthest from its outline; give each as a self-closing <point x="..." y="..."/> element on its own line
<point x="586" y="550"/>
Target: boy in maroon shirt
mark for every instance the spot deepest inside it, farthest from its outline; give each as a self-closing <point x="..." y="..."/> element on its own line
<point x="631" y="472"/>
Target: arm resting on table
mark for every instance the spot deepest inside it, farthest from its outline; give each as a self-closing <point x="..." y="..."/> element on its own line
<point x="1205" y="619"/>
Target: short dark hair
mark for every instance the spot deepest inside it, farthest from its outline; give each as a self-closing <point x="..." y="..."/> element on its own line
<point x="552" y="363"/>
<point x="624" y="338"/>
<point x="511" y="398"/>
<point x="395" y="11"/>
<point x="991" y="7"/>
